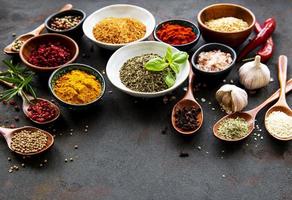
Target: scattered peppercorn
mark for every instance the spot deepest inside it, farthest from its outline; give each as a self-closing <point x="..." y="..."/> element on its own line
<point x="187" y="118"/>
<point x="76" y="147"/>
<point x="16" y="118"/>
<point x="12" y="102"/>
<point x="17" y="108"/>
<point x="183" y="154"/>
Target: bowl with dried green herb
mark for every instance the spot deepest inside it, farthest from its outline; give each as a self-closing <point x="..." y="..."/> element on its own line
<point x="148" y="69"/>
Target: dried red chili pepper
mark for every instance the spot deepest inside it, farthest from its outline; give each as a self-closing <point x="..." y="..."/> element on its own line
<point x="267" y="50"/>
<point x="176" y="34"/>
<point x="259" y="39"/>
<point x="41" y="111"/>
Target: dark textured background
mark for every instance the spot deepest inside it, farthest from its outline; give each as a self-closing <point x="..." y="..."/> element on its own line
<point x="124" y="155"/>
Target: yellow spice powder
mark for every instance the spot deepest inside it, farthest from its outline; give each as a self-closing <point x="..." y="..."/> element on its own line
<point x="77" y="87"/>
<point x="119" y="30"/>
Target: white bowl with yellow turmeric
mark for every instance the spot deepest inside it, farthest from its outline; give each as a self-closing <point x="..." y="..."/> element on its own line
<point x="77" y="85"/>
<point x="116" y="25"/>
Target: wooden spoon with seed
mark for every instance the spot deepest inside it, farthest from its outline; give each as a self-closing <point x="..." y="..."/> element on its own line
<point x="9" y="133"/>
<point x="249" y="116"/>
<point x="186" y="102"/>
<point x="24" y="37"/>
<point x="281" y="105"/>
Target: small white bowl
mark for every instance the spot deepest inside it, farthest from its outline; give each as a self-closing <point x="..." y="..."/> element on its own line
<point x="118" y="10"/>
<point x="117" y="60"/>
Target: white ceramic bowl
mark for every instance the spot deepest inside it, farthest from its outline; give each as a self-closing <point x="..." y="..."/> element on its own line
<point x="117" y="60"/>
<point x="118" y="10"/>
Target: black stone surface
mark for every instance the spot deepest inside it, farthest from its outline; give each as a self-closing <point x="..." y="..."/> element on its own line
<point x="124" y="154"/>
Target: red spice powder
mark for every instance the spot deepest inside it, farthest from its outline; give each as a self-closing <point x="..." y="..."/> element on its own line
<point x="176" y="34"/>
<point x="49" y="55"/>
<point x="41" y="111"/>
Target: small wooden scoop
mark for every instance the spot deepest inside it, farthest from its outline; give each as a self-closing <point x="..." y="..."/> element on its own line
<point x="9" y="133"/>
<point x="281" y="104"/>
<point x="187" y="101"/>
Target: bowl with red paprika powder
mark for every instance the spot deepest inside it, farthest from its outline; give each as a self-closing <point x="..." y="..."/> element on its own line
<point x="179" y="33"/>
<point x="48" y="52"/>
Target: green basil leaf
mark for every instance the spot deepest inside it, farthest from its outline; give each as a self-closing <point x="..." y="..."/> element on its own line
<point x="169" y="79"/>
<point x="174" y="67"/>
<point x="168" y="55"/>
<point x="156" y="64"/>
<point x="180" y="57"/>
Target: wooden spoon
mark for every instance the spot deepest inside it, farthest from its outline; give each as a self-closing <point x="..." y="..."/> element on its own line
<point x="9" y="133"/>
<point x="281" y="105"/>
<point x="249" y="116"/>
<point x="9" y="50"/>
<point x="187" y="101"/>
<point x="27" y="100"/>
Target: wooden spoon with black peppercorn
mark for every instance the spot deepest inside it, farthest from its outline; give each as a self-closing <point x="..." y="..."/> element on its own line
<point x="9" y="133"/>
<point x="14" y="47"/>
<point x="187" y="114"/>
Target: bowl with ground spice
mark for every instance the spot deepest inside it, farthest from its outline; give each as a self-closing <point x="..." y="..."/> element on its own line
<point x="116" y="25"/>
<point x="126" y="70"/>
<point x="213" y="61"/>
<point x="179" y="33"/>
<point x="77" y="85"/>
<point x="68" y="23"/>
<point x="226" y="23"/>
<point x="48" y="52"/>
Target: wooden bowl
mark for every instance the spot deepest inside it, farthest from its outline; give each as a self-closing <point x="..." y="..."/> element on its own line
<point x="215" y="11"/>
<point x="34" y="42"/>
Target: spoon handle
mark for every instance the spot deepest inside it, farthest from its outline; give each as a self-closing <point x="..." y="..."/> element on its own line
<point x="189" y="93"/>
<point x="5" y="131"/>
<point x="282" y="75"/>
<point x="273" y="97"/>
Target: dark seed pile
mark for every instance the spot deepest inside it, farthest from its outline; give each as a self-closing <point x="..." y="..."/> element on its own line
<point x="187" y="118"/>
<point x="135" y="77"/>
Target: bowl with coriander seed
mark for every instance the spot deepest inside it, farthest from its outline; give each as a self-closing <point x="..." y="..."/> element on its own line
<point x="148" y="69"/>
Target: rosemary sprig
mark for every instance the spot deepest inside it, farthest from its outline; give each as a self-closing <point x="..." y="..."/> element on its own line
<point x="19" y="77"/>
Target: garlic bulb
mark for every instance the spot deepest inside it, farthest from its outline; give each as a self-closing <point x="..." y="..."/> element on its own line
<point x="254" y="75"/>
<point x="231" y="98"/>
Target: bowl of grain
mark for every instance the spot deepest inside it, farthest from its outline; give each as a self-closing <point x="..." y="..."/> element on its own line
<point x="126" y="70"/>
<point x="116" y="25"/>
<point x="230" y="24"/>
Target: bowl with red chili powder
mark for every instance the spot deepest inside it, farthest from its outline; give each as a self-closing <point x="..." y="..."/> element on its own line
<point x="179" y="33"/>
<point x="48" y="52"/>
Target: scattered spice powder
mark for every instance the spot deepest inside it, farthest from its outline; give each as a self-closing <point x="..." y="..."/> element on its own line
<point x="77" y="87"/>
<point x="187" y="118"/>
<point x="136" y="77"/>
<point x="227" y="24"/>
<point x="28" y="141"/>
<point x="176" y="34"/>
<point x="119" y="30"/>
<point x="51" y="54"/>
<point x="280" y="124"/>
<point x="65" y="22"/>
<point x="41" y="111"/>
<point x="231" y="128"/>
<point x="214" y="61"/>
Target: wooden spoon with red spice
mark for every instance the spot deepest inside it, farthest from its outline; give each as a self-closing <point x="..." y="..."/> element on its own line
<point x="29" y="102"/>
<point x="24" y="37"/>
